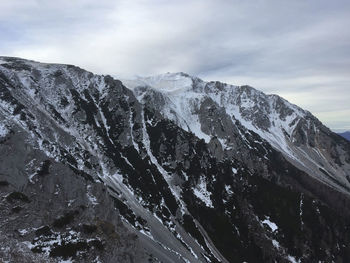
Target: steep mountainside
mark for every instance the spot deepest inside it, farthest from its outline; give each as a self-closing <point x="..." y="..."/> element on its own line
<point x="210" y="109"/>
<point x="185" y="171"/>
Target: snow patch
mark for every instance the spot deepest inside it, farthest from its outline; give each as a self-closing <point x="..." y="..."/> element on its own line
<point x="276" y="244"/>
<point x="4" y="131"/>
<point x="270" y="224"/>
<point x="90" y="196"/>
<point x="202" y="193"/>
<point x="292" y="259"/>
<point x="23" y="231"/>
<point x="228" y="189"/>
<point x="131" y="124"/>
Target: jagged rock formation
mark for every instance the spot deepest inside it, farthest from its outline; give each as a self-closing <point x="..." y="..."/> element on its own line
<point x="55" y="211"/>
<point x="164" y="169"/>
<point x="211" y="109"/>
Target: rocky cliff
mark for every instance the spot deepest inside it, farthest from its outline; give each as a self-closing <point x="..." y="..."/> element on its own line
<point x="164" y="169"/>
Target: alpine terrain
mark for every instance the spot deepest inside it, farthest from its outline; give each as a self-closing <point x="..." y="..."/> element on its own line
<point x="168" y="168"/>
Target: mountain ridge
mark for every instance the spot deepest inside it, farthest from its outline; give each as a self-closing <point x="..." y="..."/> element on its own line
<point x="258" y="112"/>
<point x="345" y="135"/>
<point x="179" y="198"/>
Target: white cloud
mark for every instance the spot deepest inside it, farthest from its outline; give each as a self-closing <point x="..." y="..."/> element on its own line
<point x="297" y="49"/>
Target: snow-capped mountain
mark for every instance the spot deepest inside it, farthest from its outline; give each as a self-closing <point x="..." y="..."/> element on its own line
<point x="164" y="169"/>
<point x="296" y="133"/>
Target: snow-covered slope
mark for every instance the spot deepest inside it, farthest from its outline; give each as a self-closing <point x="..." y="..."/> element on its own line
<point x="291" y="130"/>
<point x="75" y="117"/>
<point x="180" y="171"/>
<point x="252" y="108"/>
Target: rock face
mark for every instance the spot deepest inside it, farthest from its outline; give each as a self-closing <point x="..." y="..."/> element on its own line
<point x="212" y="109"/>
<point x="164" y="169"/>
<point x="56" y="212"/>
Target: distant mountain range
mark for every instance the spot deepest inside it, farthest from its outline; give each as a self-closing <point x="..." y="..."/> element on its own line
<point x="346" y="135"/>
<point x="168" y="168"/>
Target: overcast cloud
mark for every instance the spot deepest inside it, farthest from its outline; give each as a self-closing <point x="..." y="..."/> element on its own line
<point x="297" y="49"/>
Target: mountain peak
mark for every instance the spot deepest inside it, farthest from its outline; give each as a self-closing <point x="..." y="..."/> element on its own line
<point x="167" y="82"/>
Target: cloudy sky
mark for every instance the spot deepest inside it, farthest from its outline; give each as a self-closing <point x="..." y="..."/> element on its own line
<point x="297" y="49"/>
